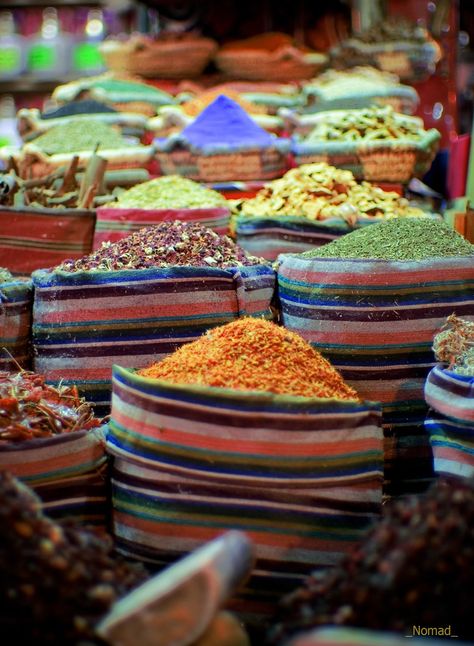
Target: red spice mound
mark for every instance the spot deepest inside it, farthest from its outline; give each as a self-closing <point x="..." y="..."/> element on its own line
<point x="30" y="408"/>
<point x="253" y="354"/>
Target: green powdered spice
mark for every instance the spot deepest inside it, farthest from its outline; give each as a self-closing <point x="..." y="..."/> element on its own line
<point x="169" y="192"/>
<point x="75" y="136"/>
<point x="397" y="239"/>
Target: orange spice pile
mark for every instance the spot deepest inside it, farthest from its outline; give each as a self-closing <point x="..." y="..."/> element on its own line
<point x="253" y="354"/>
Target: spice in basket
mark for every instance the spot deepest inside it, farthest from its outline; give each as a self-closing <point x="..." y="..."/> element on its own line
<point x="319" y="192"/>
<point x="367" y="124"/>
<point x="195" y="106"/>
<point x="256" y="355"/>
<point x="167" y="244"/>
<point x="397" y="239"/>
<point x="225" y="122"/>
<point x="30" y="408"/>
<point x="58" y="581"/>
<point x="74" y="137"/>
<point x="169" y="192"/>
<point x="412" y="568"/>
<point x="454" y="345"/>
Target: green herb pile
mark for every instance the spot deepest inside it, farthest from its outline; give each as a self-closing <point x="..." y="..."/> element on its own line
<point x="397" y="239"/>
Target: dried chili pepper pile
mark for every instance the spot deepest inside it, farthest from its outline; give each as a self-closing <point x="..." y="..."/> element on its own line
<point x="30" y="408"/>
<point x="415" y="567"/>
<point x="253" y="354"/>
<point x="165" y="245"/>
<point x="454" y="345"/>
<point x="56" y="581"/>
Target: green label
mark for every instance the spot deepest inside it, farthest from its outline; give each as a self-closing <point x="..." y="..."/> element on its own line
<point x="10" y="59"/>
<point x="42" y="57"/>
<point x="87" y="56"/>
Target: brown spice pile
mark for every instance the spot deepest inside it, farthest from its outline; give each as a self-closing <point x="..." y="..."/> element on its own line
<point x="57" y="582"/>
<point x="415" y="567"/>
<point x="253" y="354"/>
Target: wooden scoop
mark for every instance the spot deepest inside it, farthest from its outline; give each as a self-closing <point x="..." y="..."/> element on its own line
<point x="177" y="606"/>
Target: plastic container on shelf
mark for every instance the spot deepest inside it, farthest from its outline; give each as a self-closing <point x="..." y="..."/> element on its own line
<point x="86" y="57"/>
<point x="49" y="52"/>
<point x="12" y="57"/>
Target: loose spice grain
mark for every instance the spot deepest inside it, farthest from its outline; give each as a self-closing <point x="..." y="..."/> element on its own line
<point x="256" y="355"/>
<point x="169" y="192"/>
<point x="415" y="567"/>
<point x="397" y="239"/>
<point x="74" y="136"/>
<point x="58" y="581"/>
<point x="167" y="244"/>
<point x="319" y="192"/>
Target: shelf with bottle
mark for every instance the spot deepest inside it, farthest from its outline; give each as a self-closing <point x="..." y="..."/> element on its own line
<point x="50" y="50"/>
<point x="21" y="4"/>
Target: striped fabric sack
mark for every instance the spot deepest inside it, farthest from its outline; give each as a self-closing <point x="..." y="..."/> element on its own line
<point x="450" y="421"/>
<point x="84" y="322"/>
<point x="301" y="477"/>
<point x="67" y="471"/>
<point x="16" y="303"/>
<point x="115" y="224"/>
<point x="268" y="237"/>
<point x="362" y="637"/>
<point x="35" y="238"/>
<point x="375" y="321"/>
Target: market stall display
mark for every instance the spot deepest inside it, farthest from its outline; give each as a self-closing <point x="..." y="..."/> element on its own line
<point x="32" y="123"/>
<point x="394" y="45"/>
<point x="375" y="143"/>
<point x="271" y="56"/>
<point x="122" y="92"/>
<point x="449" y="393"/>
<point x="166" y="55"/>
<point x="411" y="569"/>
<point x="251" y="428"/>
<point x="56" y="147"/>
<point x="223" y="143"/>
<point x="310" y="206"/>
<point x="16" y="303"/>
<point x="139" y="298"/>
<point x="171" y="197"/>
<point x="371" y="301"/>
<point x="173" y="118"/>
<point x="51" y="440"/>
<point x="358" y="87"/>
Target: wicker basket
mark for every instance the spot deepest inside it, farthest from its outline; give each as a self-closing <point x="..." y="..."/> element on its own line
<point x="41" y="164"/>
<point x="180" y="58"/>
<point x="224" y="166"/>
<point x="411" y="61"/>
<point x="31" y="124"/>
<point x="359" y="89"/>
<point x="391" y="160"/>
<point x="284" y="64"/>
